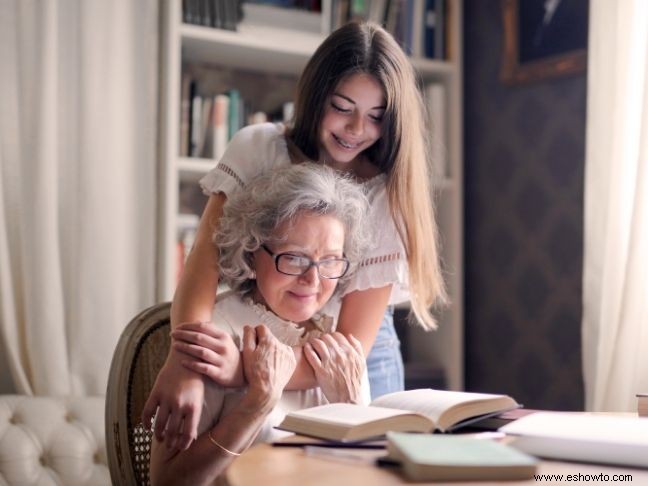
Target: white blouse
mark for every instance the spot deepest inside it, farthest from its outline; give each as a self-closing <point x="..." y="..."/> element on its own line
<point x="231" y="313"/>
<point x="258" y="148"/>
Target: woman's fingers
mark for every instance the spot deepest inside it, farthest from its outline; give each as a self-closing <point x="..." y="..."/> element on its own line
<point x="322" y="350"/>
<point x="311" y="356"/>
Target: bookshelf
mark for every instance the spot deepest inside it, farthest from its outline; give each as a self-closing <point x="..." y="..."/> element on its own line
<point x="259" y="50"/>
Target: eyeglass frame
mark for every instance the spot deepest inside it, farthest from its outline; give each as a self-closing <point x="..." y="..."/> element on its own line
<point x="313" y="263"/>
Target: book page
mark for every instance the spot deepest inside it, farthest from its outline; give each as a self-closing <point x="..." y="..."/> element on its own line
<point x="347" y="413"/>
<point x="428" y="401"/>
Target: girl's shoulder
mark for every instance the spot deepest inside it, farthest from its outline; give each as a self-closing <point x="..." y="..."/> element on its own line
<point x="254" y="149"/>
<point x="259" y="139"/>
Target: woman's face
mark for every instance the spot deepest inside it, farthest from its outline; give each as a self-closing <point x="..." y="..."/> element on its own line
<point x="352" y="120"/>
<point x="291" y="297"/>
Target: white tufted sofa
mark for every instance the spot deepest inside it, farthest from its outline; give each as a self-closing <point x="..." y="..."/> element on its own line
<point x="52" y="441"/>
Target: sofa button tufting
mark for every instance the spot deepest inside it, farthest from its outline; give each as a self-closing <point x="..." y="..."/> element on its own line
<point x="14" y="420"/>
<point x="96" y="458"/>
<point x="69" y="417"/>
<point x="42" y="461"/>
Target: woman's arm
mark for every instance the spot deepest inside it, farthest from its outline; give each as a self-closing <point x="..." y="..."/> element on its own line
<point x="268" y="365"/>
<point x="178" y="392"/>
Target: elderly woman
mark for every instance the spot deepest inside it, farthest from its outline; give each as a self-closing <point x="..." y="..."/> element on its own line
<point x="285" y="242"/>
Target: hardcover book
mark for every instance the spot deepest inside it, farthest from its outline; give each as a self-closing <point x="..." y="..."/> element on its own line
<point x="427" y="457"/>
<point x="422" y="410"/>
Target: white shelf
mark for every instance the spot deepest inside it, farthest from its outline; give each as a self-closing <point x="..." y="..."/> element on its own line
<point x="252" y="47"/>
<point x="193" y="168"/>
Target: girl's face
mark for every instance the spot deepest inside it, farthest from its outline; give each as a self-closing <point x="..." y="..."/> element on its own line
<point x="352" y="120"/>
<point x="298" y="297"/>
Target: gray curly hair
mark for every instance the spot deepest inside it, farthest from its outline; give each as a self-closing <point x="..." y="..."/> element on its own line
<point x="251" y="216"/>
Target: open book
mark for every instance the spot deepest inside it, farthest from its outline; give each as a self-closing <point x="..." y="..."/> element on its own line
<point x="423" y="410"/>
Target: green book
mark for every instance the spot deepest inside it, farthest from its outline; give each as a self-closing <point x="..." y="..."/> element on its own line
<point x="427" y="457"/>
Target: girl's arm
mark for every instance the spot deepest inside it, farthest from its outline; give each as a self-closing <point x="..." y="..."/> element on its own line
<point x="178" y="392"/>
<point x="213" y="350"/>
<point x="361" y="314"/>
<point x="268" y="365"/>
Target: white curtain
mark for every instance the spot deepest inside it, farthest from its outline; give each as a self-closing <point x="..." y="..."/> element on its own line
<point x="615" y="280"/>
<point x="78" y="98"/>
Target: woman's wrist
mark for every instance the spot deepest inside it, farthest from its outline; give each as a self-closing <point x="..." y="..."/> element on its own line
<point x="258" y="402"/>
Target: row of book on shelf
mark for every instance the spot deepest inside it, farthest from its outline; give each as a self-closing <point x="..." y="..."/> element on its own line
<point x="221" y="14"/>
<point x="208" y="121"/>
<point x="420" y="26"/>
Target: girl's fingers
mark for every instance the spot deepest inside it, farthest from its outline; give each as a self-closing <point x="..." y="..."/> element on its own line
<point x="199" y="352"/>
<point x="160" y="422"/>
<point x="199" y="338"/>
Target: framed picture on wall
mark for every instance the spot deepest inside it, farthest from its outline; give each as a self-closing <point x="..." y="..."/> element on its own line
<point x="543" y="39"/>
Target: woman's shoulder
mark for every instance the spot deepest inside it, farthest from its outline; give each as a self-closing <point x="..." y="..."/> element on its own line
<point x="231" y="311"/>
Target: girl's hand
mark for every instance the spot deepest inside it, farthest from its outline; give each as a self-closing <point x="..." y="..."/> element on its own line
<point x="209" y="351"/>
<point x="338" y="363"/>
<point x="268" y="365"/>
<point x="177" y="396"/>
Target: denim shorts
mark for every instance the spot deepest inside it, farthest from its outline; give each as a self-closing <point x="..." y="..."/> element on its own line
<point x="385" y="362"/>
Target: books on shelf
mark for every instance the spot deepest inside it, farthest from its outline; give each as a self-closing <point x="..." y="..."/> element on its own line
<point x="433" y="457"/>
<point x="187" y="227"/>
<point x="208" y="122"/>
<point x="220" y="125"/>
<point x="421" y="410"/>
<point x="222" y="14"/>
<point x="587" y="437"/>
<point x="642" y="404"/>
<point x="436" y="96"/>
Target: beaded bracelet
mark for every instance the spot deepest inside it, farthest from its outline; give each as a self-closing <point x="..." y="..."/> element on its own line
<point x="227" y="451"/>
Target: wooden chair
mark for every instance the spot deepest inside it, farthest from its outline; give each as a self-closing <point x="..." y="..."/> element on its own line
<point x="140" y="353"/>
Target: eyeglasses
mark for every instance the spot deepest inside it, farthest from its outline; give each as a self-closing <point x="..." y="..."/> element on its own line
<point x="291" y="264"/>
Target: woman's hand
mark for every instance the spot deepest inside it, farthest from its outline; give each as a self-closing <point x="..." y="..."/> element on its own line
<point x="268" y="365"/>
<point x="209" y="351"/>
<point x="338" y="363"/>
<point x="177" y="396"/>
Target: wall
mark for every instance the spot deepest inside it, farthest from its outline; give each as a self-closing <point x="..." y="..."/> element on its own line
<point x="524" y="157"/>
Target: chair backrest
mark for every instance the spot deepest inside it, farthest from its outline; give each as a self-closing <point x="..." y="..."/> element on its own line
<point x="140" y="353"/>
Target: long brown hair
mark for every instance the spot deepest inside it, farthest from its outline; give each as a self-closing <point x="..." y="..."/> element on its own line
<point x="401" y="151"/>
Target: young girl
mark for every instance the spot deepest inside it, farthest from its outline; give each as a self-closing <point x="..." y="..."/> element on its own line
<point x="357" y="110"/>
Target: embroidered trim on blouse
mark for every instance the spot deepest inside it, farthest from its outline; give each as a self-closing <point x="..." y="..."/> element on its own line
<point x="230" y="172"/>
<point x="287" y="331"/>
<point x="380" y="259"/>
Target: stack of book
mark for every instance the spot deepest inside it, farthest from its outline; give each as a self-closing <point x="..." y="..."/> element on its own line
<point x="642" y="404"/>
<point x="577" y="436"/>
<point x="222" y="14"/>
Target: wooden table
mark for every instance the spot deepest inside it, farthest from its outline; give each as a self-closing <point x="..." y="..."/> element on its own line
<point x="289" y="466"/>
